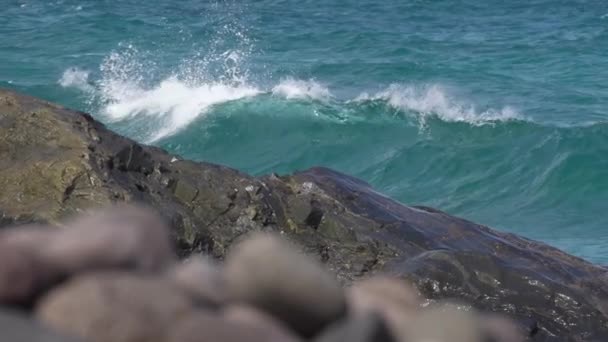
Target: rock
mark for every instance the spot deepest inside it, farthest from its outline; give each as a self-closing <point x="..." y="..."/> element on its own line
<point x="24" y="270"/>
<point x="368" y="327"/>
<point x="55" y="162"/>
<point x="249" y="316"/>
<point x="269" y="274"/>
<point x="16" y="327"/>
<point x="117" y="237"/>
<point x="497" y="328"/>
<point x="393" y="299"/>
<point x="201" y="279"/>
<point x="207" y="327"/>
<point x="118" y="307"/>
<point x="445" y="323"/>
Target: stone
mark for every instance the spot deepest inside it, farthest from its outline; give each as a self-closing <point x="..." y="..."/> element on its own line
<point x="250" y="316"/>
<point x="445" y="323"/>
<point x="114" y="306"/>
<point x="24" y="270"/>
<point x="209" y="327"/>
<point x="369" y="327"/>
<point x="393" y="299"/>
<point x="116" y="237"/>
<point x="17" y="327"/>
<point x="271" y="275"/>
<point x="497" y="328"/>
<point x="201" y="279"/>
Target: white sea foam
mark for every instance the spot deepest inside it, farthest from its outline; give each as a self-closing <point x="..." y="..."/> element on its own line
<point x="173" y="99"/>
<point x="291" y="88"/>
<point x="76" y="78"/>
<point x="435" y="101"/>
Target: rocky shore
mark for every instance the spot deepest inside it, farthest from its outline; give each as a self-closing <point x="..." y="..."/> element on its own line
<point x="95" y="275"/>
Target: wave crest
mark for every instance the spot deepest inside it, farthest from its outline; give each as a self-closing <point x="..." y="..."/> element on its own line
<point x="435" y="101"/>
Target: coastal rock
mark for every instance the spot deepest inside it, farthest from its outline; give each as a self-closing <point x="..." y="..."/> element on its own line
<point x="16" y="327"/>
<point x="112" y="306"/>
<point x="56" y="162"/>
<point x="201" y="279"/>
<point x="358" y="328"/>
<point x="390" y="298"/>
<point x="208" y="327"/>
<point x="268" y="274"/>
<point x="24" y="270"/>
<point x="116" y="237"/>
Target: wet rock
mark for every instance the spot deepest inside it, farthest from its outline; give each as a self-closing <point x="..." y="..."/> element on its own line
<point x="201" y="279"/>
<point x="16" y="327"/>
<point x="118" y="307"/>
<point x="271" y="275"/>
<point x="209" y="327"/>
<point x="117" y="237"/>
<point x="368" y="327"/>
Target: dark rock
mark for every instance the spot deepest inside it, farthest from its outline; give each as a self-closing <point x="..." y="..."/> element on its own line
<point x="208" y="327"/>
<point x="16" y="327"/>
<point x="55" y="162"/>
<point x="271" y="275"/>
<point x="118" y="307"/>
<point x="358" y="328"/>
<point x="201" y="279"/>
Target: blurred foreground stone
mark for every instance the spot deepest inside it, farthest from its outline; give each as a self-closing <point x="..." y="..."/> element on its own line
<point x="55" y="163"/>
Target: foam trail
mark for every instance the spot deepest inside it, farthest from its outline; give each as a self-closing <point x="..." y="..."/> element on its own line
<point x="291" y="88"/>
<point x="173" y="99"/>
<point x="76" y="78"/>
<point x="435" y="101"/>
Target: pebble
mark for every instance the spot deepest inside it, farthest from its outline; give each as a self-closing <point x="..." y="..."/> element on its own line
<point x="209" y="327"/>
<point x="114" y="306"/>
<point x="369" y="327"/>
<point x="268" y="273"/>
<point x="201" y="279"/>
<point x="126" y="237"/>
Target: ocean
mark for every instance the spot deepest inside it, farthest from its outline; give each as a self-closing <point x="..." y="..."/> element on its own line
<point x="495" y="111"/>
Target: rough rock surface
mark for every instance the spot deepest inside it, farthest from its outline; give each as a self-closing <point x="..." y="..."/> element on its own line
<point x="56" y="162"/>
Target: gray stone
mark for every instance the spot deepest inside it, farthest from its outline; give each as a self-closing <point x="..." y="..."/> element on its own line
<point x="116" y="237"/>
<point x="270" y="274"/>
<point x="24" y="270"/>
<point x="368" y="327"/>
<point x="201" y="279"/>
<point x="445" y="323"/>
<point x="16" y="327"/>
<point x="252" y="317"/>
<point x="210" y="327"/>
<point x="395" y="300"/>
<point x="112" y="306"/>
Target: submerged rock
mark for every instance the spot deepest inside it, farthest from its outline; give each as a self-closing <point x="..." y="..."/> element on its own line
<point x="56" y="162"/>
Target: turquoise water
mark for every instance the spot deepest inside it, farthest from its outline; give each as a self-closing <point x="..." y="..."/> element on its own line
<point x="496" y="111"/>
